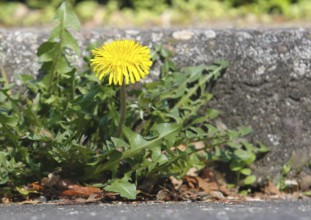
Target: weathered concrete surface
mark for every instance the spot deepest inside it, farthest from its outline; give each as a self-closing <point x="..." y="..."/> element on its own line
<point x="267" y="85"/>
<point x="276" y="210"/>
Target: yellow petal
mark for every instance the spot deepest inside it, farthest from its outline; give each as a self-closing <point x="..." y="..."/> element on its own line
<point x="123" y="60"/>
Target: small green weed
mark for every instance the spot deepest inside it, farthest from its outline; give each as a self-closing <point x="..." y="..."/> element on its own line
<point x="286" y="168"/>
<point x="65" y="121"/>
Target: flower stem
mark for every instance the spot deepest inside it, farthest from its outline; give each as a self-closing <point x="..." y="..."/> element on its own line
<point x="122" y="109"/>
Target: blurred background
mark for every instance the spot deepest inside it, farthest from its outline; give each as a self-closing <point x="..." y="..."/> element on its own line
<point x="162" y="13"/>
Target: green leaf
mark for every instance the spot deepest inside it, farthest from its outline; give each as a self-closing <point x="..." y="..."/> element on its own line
<point x="166" y="135"/>
<point x="24" y="191"/>
<point x="249" y="180"/>
<point x="251" y="159"/>
<point x="194" y="71"/>
<point x="236" y="165"/>
<point x="244" y="131"/>
<point x="119" y="143"/>
<point x="158" y="157"/>
<point x="6" y="87"/>
<point x="262" y="148"/>
<point x="70" y="42"/>
<point x="165" y="131"/>
<point x="55" y="33"/>
<point x="244" y="192"/>
<point x="212" y="113"/>
<point x="242" y="154"/>
<point x="50" y="100"/>
<point x="246" y="171"/>
<point x="115" y="156"/>
<point x="25" y="78"/>
<point x="164" y="52"/>
<point x="66" y="14"/>
<point x="286" y="168"/>
<point x="247" y="156"/>
<point x="223" y="63"/>
<point x="137" y="142"/>
<point x="47" y="51"/>
<point x="10" y="121"/>
<point x="4" y="178"/>
<point x="62" y="65"/>
<point x="123" y="187"/>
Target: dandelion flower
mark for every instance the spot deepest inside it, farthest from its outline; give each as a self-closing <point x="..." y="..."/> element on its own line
<point x="123" y="60"/>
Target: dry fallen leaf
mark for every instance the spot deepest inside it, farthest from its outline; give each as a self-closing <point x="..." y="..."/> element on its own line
<point x="176" y="182"/>
<point x="5" y="200"/>
<point x="80" y="191"/>
<point x="50" y="181"/>
<point x="164" y="195"/>
<point x="217" y="195"/>
<point x="36" y="187"/>
<point x="192" y="172"/>
<point x="29" y="202"/>
<point x="271" y="189"/>
<point x="216" y="179"/>
<point x="189" y="195"/>
<point x="207" y="186"/>
<point x="191" y="182"/>
<point x="224" y="189"/>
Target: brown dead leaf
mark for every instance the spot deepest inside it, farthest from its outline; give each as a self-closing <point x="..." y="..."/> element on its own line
<point x="5" y="200"/>
<point x="80" y="191"/>
<point x="191" y="182"/>
<point x="270" y="189"/>
<point x="207" y="186"/>
<point x="224" y="189"/>
<point x="110" y="195"/>
<point x="189" y="195"/>
<point x="216" y="180"/>
<point x="181" y="147"/>
<point x="217" y="195"/>
<point x="197" y="188"/>
<point x="36" y="186"/>
<point x="50" y="181"/>
<point x="164" y="195"/>
<point x="197" y="183"/>
<point x="30" y="202"/>
<point x="192" y="172"/>
<point x="176" y="182"/>
<point x="198" y="145"/>
<point x="91" y="199"/>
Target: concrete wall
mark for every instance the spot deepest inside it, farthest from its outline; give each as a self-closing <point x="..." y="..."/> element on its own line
<point x="267" y="85"/>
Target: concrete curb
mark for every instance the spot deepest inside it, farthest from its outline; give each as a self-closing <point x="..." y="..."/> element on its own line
<point x="267" y="85"/>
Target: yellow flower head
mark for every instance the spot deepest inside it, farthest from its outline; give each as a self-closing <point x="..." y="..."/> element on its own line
<point x="123" y="60"/>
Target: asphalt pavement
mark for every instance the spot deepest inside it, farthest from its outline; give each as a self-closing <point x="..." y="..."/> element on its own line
<point x="261" y="210"/>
